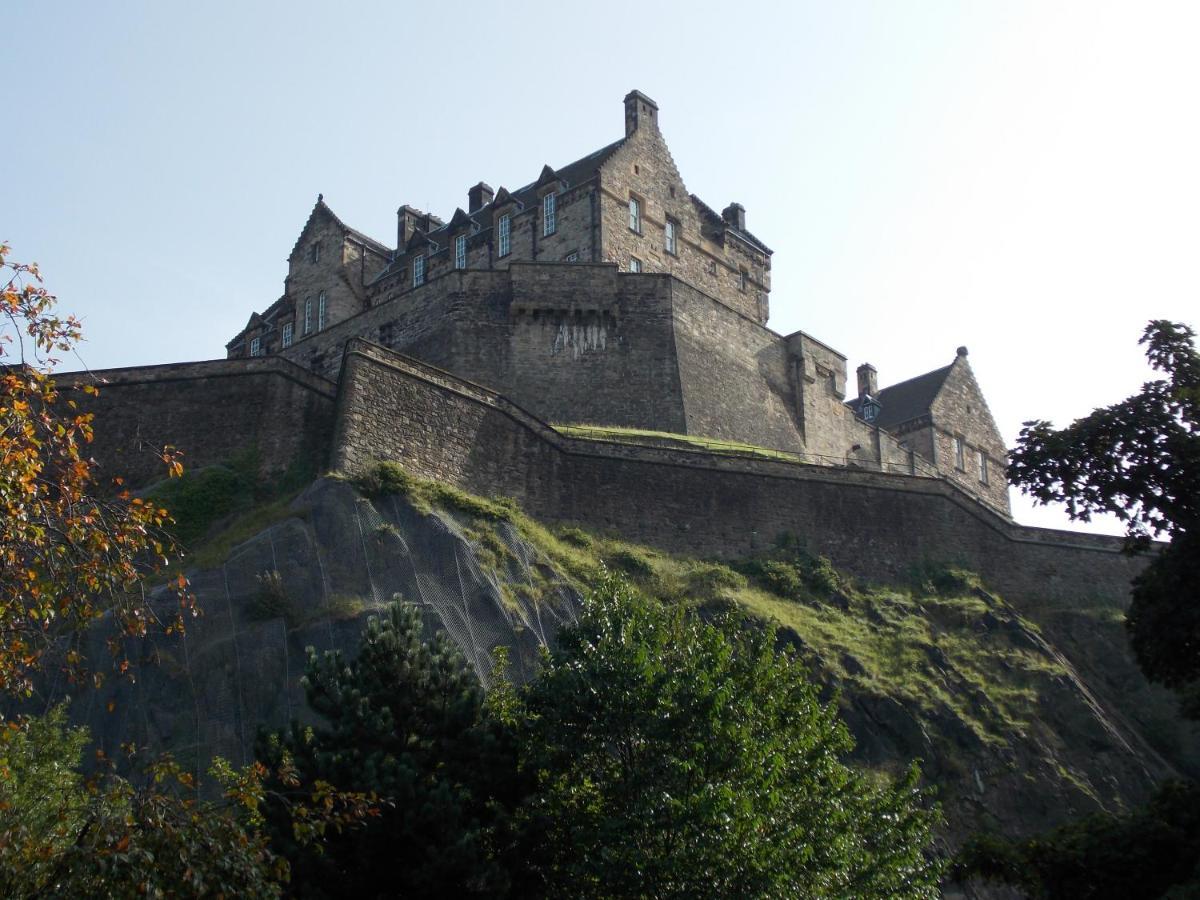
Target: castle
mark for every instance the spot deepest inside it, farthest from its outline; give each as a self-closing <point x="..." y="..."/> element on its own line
<point x="605" y="293"/>
<point x="594" y="345"/>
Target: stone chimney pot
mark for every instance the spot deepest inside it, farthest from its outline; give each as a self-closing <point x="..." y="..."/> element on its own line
<point x="639" y="110"/>
<point x="479" y="196"/>
<point x="735" y="216"/>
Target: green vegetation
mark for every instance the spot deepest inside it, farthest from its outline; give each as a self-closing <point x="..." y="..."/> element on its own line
<point x="921" y="643"/>
<point x="1151" y="852"/>
<point x="218" y="506"/>
<point x="617" y="434"/>
<point x="656" y="754"/>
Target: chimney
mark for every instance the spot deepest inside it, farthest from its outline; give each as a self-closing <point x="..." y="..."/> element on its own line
<point x="735" y="216"/>
<point x="867" y="383"/>
<point x="639" y="110"/>
<point x="479" y="196"/>
<point x="408" y="218"/>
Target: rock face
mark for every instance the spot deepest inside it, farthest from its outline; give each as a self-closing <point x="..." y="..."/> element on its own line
<point x="311" y="580"/>
<point x="1060" y="723"/>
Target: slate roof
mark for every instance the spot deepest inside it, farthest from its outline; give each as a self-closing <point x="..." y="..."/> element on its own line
<point x="907" y="400"/>
<point x="322" y="207"/>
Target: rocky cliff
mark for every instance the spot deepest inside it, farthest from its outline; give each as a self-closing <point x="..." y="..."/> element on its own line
<point x="1022" y="718"/>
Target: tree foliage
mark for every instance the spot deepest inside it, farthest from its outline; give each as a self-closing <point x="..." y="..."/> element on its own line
<point x="66" y="835"/>
<point x="1143" y="854"/>
<point x="69" y="551"/>
<point x="1140" y="460"/>
<point x="674" y="757"/>
<point x="407" y="721"/>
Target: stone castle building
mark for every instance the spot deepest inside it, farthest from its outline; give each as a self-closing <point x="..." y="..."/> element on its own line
<point x="605" y="293"/>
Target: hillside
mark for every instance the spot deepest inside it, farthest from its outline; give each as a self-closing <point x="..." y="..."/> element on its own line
<point x="1023" y="718"/>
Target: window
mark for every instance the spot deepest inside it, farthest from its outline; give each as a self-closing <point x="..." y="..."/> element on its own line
<point x="960" y="454"/>
<point x="321" y="311"/>
<point x="256" y="346"/>
<point x="503" y="229"/>
<point x="314" y="252"/>
<point x="743" y="281"/>
<point x="635" y="215"/>
<point x="669" y="236"/>
<point x="286" y="339"/>
<point x="712" y="267"/>
<point x="573" y="256"/>
<point x="548" y="215"/>
<point x="418" y="271"/>
<point x="635" y="264"/>
<point x="983" y="468"/>
<point x="308" y="315"/>
<point x="460" y="252"/>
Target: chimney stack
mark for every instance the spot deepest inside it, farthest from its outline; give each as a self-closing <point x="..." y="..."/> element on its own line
<point x="479" y="196"/>
<point x="408" y="218"/>
<point x="735" y="216"/>
<point x="867" y="382"/>
<point x="639" y="110"/>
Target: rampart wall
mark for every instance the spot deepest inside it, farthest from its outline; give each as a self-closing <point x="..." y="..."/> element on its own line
<point x="869" y="523"/>
<point x="211" y="411"/>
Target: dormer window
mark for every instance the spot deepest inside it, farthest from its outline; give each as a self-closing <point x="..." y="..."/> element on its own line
<point x="504" y="235"/>
<point x="549" y="223"/>
<point x="460" y="252"/>
<point x="256" y="346"/>
<point x="418" y="271"/>
<point x="635" y="215"/>
<point x="870" y="409"/>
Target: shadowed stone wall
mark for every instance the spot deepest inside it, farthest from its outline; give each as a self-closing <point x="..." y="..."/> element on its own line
<point x="869" y="523"/>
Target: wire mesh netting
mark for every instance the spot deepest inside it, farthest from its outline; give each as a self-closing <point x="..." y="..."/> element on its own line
<point x="311" y="580"/>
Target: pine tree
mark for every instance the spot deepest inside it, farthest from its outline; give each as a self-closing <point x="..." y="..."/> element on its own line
<point x="407" y="720"/>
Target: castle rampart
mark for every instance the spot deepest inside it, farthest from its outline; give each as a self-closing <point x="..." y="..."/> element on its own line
<point x="869" y="523"/>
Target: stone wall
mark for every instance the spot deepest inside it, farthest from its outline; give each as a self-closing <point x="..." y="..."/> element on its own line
<point x="871" y="524"/>
<point x="644" y="168"/>
<point x="960" y="411"/>
<point x="210" y="411"/>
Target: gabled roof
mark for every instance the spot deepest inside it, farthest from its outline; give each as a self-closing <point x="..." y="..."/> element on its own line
<point x="907" y="400"/>
<point x="717" y="224"/>
<point x="322" y="208"/>
<point x="460" y="220"/>
<point x="548" y="176"/>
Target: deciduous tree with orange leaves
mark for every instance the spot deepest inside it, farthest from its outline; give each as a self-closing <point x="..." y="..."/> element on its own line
<point x="74" y="546"/>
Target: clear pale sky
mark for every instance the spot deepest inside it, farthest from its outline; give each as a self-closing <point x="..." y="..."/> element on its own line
<point x="1019" y="177"/>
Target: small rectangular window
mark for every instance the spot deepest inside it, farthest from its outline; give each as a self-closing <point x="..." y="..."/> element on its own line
<point x="460" y="252"/>
<point x="573" y="256"/>
<point x="669" y="236"/>
<point x="503" y="228"/>
<point x="256" y="346"/>
<point x="418" y="271"/>
<point x="744" y="280"/>
<point x="960" y="454"/>
<point x="635" y="215"/>
<point x="321" y="311"/>
<point x="635" y="264"/>
<point x="308" y="315"/>
<point x="314" y="252"/>
<point x="983" y="468"/>
<point x="549" y="223"/>
<point x="286" y="339"/>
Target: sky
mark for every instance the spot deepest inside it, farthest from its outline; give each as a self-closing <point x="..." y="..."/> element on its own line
<point x="1022" y="178"/>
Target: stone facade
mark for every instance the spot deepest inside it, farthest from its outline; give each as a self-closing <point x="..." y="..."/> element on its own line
<point x="606" y="293"/>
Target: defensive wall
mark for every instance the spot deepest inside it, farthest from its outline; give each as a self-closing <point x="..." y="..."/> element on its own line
<point x="211" y="411"/>
<point x="580" y="343"/>
<point x="869" y="523"/>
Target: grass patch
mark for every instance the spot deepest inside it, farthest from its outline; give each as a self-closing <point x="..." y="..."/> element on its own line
<point x="621" y="435"/>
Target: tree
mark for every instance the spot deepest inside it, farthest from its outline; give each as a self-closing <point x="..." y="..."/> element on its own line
<point x="1140" y="460"/>
<point x="675" y="757"/>
<point x="66" y="835"/>
<point x="69" y="554"/>
<point x="407" y="721"/>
